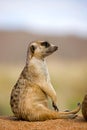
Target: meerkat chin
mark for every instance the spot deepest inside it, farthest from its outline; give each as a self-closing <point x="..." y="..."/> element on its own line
<point x="29" y="96"/>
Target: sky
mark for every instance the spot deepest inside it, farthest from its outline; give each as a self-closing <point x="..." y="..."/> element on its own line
<point x="44" y="16"/>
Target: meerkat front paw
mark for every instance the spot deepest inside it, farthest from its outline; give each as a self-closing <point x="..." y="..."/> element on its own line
<point x="55" y="106"/>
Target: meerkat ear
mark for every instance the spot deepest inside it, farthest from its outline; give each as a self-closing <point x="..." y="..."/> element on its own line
<point x="32" y="48"/>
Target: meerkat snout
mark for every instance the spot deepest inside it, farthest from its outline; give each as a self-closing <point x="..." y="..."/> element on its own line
<point x="41" y="49"/>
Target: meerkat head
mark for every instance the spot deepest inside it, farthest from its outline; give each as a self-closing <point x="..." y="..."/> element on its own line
<point x="41" y="49"/>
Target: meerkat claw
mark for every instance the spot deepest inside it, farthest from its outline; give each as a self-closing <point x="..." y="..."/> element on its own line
<point x="55" y="107"/>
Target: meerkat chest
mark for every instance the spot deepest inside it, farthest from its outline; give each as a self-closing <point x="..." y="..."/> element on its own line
<point x="41" y="68"/>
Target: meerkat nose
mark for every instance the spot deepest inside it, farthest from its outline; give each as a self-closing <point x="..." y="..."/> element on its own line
<point x="56" y="47"/>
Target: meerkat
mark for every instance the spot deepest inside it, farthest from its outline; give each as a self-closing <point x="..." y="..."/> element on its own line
<point x="84" y="107"/>
<point x="29" y="96"/>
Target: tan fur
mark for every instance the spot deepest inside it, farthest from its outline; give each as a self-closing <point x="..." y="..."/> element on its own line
<point x="29" y="96"/>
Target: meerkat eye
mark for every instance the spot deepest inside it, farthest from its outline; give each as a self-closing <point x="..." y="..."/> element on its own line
<point x="32" y="48"/>
<point x="46" y="44"/>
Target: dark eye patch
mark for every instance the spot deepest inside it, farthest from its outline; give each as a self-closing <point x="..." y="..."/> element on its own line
<point x="46" y="44"/>
<point x="32" y="48"/>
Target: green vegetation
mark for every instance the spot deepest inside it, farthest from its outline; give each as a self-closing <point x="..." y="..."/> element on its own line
<point x="69" y="80"/>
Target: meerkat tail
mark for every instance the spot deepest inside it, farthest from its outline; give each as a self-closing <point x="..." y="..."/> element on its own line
<point x="77" y="109"/>
<point x="74" y="111"/>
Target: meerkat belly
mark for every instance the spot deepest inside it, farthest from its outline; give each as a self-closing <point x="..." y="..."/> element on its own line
<point x="35" y="96"/>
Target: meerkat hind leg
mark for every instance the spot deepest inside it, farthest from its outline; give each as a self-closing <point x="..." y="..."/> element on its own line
<point x="41" y="113"/>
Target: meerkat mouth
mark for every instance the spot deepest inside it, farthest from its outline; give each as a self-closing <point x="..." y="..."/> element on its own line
<point x="51" y="50"/>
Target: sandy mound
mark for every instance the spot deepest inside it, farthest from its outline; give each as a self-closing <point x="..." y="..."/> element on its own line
<point x="11" y="123"/>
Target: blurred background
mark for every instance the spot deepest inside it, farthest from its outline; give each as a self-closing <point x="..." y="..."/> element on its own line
<point x="61" y="22"/>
